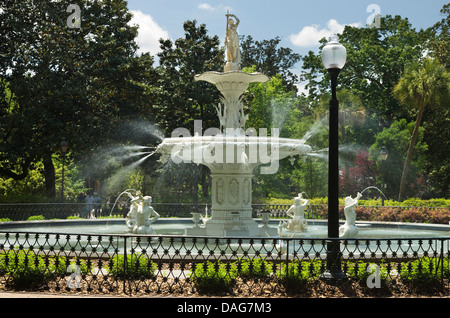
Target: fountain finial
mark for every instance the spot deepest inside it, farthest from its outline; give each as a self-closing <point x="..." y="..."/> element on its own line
<point x="232" y="44"/>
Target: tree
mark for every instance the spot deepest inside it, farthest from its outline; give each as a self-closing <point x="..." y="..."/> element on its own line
<point x="181" y="100"/>
<point x="435" y="119"/>
<point x="360" y="175"/>
<point x="65" y="82"/>
<point x="376" y="58"/>
<point x="422" y="84"/>
<point x="270" y="59"/>
<point x="440" y="39"/>
<point x="396" y="139"/>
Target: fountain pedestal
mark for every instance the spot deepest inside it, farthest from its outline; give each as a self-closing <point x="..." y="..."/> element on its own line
<point x="231" y="207"/>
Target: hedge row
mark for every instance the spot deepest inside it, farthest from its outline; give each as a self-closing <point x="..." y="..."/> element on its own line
<point x="412" y="202"/>
<point x="392" y="214"/>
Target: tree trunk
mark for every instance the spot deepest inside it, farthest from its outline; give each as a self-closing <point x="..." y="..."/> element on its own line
<point x="205" y="180"/>
<point x="49" y="175"/>
<point x="195" y="186"/>
<point x="412" y="144"/>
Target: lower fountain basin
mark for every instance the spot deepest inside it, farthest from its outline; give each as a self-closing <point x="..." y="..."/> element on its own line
<point x="177" y="227"/>
<point x="108" y="238"/>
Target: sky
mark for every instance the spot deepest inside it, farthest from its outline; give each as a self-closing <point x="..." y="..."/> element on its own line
<point x="299" y="23"/>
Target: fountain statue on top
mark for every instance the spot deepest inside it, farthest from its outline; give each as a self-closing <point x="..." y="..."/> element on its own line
<point x="349" y="228"/>
<point x="297" y="213"/>
<point x="232" y="44"/>
<point x="231" y="153"/>
<point x="141" y="214"/>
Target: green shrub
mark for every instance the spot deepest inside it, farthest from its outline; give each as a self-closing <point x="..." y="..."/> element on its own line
<point x="425" y="270"/>
<point x="112" y="216"/>
<point x="138" y="265"/>
<point x="36" y="218"/>
<point x="411" y="202"/>
<point x="214" y="277"/>
<point x="29" y="270"/>
<point x="5" y="220"/>
<point x="297" y="274"/>
<point x="254" y="268"/>
<point x="361" y="270"/>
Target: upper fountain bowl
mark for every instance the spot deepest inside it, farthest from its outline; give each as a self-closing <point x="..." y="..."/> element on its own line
<point x="219" y="150"/>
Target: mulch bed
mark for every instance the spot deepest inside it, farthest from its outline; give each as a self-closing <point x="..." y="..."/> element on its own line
<point x="170" y="287"/>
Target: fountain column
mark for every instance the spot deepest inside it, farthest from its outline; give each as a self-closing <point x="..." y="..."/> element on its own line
<point x="231" y="195"/>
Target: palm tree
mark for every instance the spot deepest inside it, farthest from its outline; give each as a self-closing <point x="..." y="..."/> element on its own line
<point x="422" y="84"/>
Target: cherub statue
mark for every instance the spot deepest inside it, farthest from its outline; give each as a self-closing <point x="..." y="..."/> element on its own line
<point x="349" y="229"/>
<point x="146" y="215"/>
<point x="134" y="206"/>
<point x="297" y="213"/>
<point x="141" y="214"/>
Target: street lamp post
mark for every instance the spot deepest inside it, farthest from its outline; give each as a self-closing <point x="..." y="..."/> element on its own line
<point x="64" y="146"/>
<point x="383" y="156"/>
<point x="333" y="57"/>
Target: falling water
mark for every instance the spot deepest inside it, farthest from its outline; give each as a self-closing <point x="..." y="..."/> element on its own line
<point x="167" y="165"/>
<point x="321" y="154"/>
<point x="303" y="192"/>
<point x="279" y="113"/>
<point x="142" y="128"/>
<point x="315" y="129"/>
<point x="124" y="172"/>
<point x="372" y="187"/>
<point x="134" y="154"/>
<point x="115" y="202"/>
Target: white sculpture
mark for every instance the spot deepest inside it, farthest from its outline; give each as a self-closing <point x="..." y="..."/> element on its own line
<point x="232" y="154"/>
<point x="222" y="115"/>
<point x="141" y="214"/>
<point x="297" y="213"/>
<point x="349" y="228"/>
<point x="232" y="44"/>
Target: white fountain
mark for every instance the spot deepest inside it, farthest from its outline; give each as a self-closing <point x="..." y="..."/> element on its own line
<point x="231" y="152"/>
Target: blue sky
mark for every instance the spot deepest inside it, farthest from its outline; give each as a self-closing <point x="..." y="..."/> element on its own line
<point x="265" y="19"/>
<point x="299" y="23"/>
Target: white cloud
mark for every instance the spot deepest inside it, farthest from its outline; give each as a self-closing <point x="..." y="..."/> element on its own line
<point x="149" y="32"/>
<point x="205" y="6"/>
<point x="208" y="7"/>
<point x="301" y="89"/>
<point x="310" y="35"/>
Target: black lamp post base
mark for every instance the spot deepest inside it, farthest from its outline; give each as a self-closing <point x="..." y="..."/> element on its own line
<point x="333" y="277"/>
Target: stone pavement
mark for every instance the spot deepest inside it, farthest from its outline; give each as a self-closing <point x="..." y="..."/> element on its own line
<point x="19" y="294"/>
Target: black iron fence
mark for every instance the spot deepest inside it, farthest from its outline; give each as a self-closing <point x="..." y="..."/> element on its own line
<point x="22" y="211"/>
<point x="133" y="264"/>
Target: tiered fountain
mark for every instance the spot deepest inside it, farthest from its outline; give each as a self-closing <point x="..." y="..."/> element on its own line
<point x="231" y="152"/>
